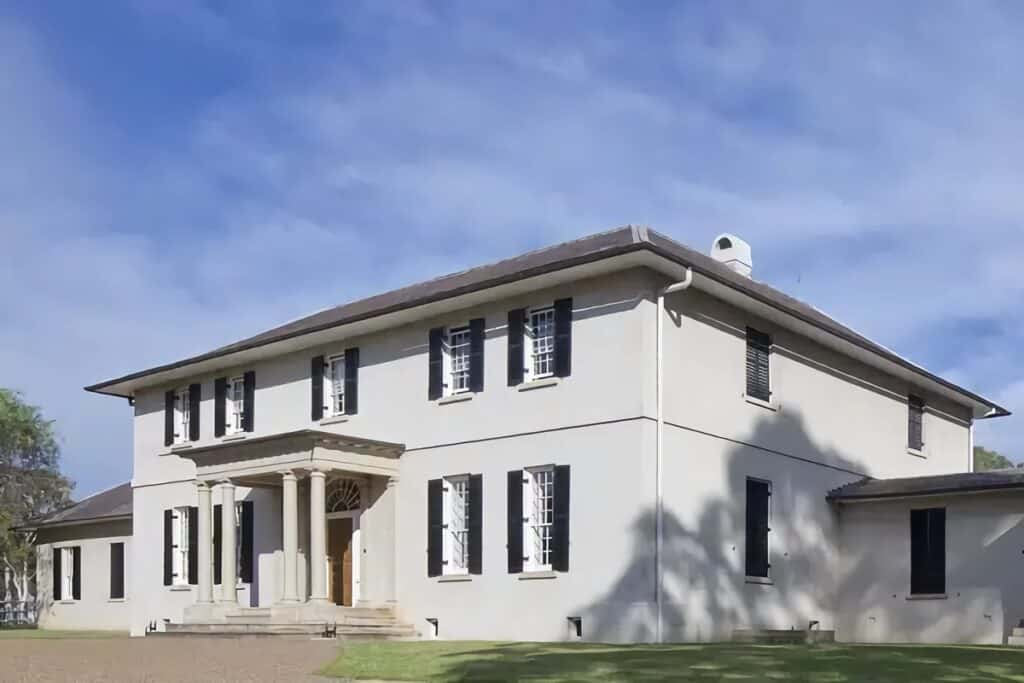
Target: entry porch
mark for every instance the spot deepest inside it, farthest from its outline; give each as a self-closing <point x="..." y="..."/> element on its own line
<point x="333" y="558"/>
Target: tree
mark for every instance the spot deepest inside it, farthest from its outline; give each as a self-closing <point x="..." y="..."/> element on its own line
<point x="31" y="485"/>
<point x="984" y="459"/>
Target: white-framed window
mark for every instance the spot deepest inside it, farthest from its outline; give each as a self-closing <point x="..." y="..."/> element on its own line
<point x="67" y="571"/>
<point x="458" y="360"/>
<point x="182" y="415"/>
<point x="179" y="546"/>
<point x="235" y="411"/>
<point x="456" y="525"/>
<point x="539" y="516"/>
<point x="539" y="343"/>
<point x="334" y="387"/>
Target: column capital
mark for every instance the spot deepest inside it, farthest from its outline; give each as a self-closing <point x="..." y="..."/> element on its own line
<point x="318" y="473"/>
<point x="287" y="474"/>
<point x="203" y="486"/>
<point x="225" y="483"/>
<point x="392" y="481"/>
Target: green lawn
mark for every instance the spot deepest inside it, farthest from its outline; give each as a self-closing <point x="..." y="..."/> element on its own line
<point x="34" y="633"/>
<point x="482" y="661"/>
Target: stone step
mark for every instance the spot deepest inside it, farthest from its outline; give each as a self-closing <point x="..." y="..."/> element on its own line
<point x="1018" y="631"/>
<point x="250" y="613"/>
<point x="308" y="629"/>
<point x="1015" y="640"/>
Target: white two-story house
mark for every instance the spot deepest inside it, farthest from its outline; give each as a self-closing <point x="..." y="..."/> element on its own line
<point x="617" y="438"/>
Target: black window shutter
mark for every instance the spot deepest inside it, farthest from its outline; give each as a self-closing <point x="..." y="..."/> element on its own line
<point x="516" y="358"/>
<point x="915" y="417"/>
<point x="116" y="571"/>
<point x="168" y="547"/>
<point x="58" y="575"/>
<point x="249" y="397"/>
<point x="216" y="543"/>
<point x="436" y="377"/>
<point x="220" y="397"/>
<point x="435" y="526"/>
<point x="560" y="521"/>
<point x="195" y="396"/>
<point x="563" y="337"/>
<point x="245" y="571"/>
<point x="759" y="347"/>
<point x="351" y="381"/>
<point x="316" y="399"/>
<point x="515" y="521"/>
<point x="476" y="354"/>
<point x="193" y="546"/>
<point x="928" y="551"/>
<point x="76" y="572"/>
<point x="476" y="514"/>
<point x="169" y="418"/>
<point x="757" y="528"/>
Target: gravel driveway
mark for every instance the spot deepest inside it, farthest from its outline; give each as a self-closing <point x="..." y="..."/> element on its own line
<point x="164" y="659"/>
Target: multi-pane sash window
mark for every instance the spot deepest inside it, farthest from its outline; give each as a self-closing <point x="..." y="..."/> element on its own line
<point x="759" y="346"/>
<point x="236" y="404"/>
<point x="182" y="415"/>
<point x="458" y="354"/>
<point x="915" y="423"/>
<point x="67" y="567"/>
<point x="179" y="540"/>
<point x="541" y="343"/>
<point x="539" y="509"/>
<point x="336" y="384"/>
<point x="456" y="524"/>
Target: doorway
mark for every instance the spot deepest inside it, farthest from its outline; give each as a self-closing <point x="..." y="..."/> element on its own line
<point x="342" y="565"/>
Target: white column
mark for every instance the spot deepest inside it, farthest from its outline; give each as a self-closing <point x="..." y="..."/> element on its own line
<point x="317" y="537"/>
<point x="290" y="535"/>
<point x="228" y="567"/>
<point x="205" y="549"/>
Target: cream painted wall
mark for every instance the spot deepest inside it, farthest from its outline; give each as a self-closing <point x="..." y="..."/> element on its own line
<point x="984" y="571"/>
<point x="95" y="609"/>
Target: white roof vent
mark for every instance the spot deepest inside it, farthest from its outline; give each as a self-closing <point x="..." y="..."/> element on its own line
<point x="733" y="252"/>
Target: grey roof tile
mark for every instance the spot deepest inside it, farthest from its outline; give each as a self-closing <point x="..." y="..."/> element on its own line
<point x="114" y="502"/>
<point x="961" y="482"/>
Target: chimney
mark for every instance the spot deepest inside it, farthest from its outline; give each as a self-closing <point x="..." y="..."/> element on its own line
<point x="733" y="252"/>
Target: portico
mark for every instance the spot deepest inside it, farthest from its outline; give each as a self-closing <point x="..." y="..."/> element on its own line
<point x="334" y="491"/>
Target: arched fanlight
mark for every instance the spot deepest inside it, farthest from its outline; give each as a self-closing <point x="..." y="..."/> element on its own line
<point x="342" y="495"/>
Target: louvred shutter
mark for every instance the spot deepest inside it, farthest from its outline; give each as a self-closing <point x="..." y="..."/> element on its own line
<point x="316" y="380"/>
<point x="220" y="397"/>
<point x="516" y="348"/>
<point x="476" y="354"/>
<point x="515" y="521"/>
<point x="476" y="507"/>
<point x="435" y="380"/>
<point x="563" y="337"/>
<point x="249" y="399"/>
<point x="351" y="381"/>
<point x="435" y="527"/>
<point x="560" y="522"/>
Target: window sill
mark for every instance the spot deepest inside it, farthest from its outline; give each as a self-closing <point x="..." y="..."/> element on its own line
<point x="455" y="398"/>
<point x="180" y="589"/>
<point x="538" y="575"/>
<point x="454" y="578"/>
<point x="116" y="600"/>
<point x="233" y="437"/>
<point x="928" y="596"/>
<point x="68" y="602"/>
<point x="759" y="580"/>
<point x="761" y="403"/>
<point x="915" y="452"/>
<point x="333" y="420"/>
<point x="539" y="384"/>
<point x="180" y="447"/>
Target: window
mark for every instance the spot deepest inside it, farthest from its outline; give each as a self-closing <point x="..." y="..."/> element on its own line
<point x="456" y="525"/>
<point x="236" y="405"/>
<point x="180" y="546"/>
<point x="67" y="579"/>
<point x="539" y="508"/>
<point x="336" y="384"/>
<point x="928" y="551"/>
<point x="117" y="571"/>
<point x="182" y="415"/>
<point x="458" y="360"/>
<point x="759" y="346"/>
<point x="915" y="423"/>
<point x="759" y="495"/>
<point x="540" y="344"/>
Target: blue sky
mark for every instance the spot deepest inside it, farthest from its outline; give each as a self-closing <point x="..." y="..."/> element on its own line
<point x="180" y="175"/>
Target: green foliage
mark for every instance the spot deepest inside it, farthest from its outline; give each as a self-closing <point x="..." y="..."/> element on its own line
<point x="984" y="459"/>
<point x="31" y="484"/>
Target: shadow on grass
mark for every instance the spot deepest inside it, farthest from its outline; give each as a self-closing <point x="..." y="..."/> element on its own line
<point x="467" y="661"/>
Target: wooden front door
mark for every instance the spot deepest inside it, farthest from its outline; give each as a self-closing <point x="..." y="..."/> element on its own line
<point x="339" y="558"/>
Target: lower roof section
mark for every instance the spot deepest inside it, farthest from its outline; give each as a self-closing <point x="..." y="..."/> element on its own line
<point x="113" y="504"/>
<point x="936" y="485"/>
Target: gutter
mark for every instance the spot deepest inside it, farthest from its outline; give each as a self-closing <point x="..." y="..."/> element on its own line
<point x="659" y="457"/>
